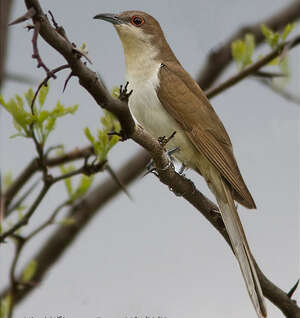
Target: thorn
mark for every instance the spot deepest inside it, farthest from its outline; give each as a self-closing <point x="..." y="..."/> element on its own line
<point x="53" y="20"/>
<point x="28" y="15"/>
<point x="269" y="74"/>
<point x="121" y="134"/>
<point x="29" y="27"/>
<point x="293" y="289"/>
<point x="81" y="53"/>
<point x="118" y="181"/>
<point x="67" y="81"/>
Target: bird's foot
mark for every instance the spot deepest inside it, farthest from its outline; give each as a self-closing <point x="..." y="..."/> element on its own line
<point x="150" y="165"/>
<point x="124" y="94"/>
<point x="182" y="169"/>
<point x="164" y="140"/>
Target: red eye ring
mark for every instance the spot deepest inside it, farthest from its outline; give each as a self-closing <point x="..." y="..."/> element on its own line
<point x="137" y="20"/>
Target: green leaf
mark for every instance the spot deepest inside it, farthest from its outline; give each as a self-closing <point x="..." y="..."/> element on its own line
<point x="274" y="61"/>
<point x="29" y="271"/>
<point x="68" y="221"/>
<point x="89" y="136"/>
<point x="5" y="305"/>
<point x="84" y="185"/>
<point x="271" y="37"/>
<point x="29" y="95"/>
<point x="20" y="101"/>
<point x="115" y="92"/>
<point x="43" y="94"/>
<point x="287" y="30"/>
<point x="68" y="181"/>
<point x="242" y="50"/>
<point x="7" y="180"/>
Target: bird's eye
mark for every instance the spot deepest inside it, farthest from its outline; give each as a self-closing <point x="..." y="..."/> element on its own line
<point x="137" y="20"/>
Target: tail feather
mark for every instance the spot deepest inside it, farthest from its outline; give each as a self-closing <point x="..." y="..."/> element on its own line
<point x="240" y="247"/>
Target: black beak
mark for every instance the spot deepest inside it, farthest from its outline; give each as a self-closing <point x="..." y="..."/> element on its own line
<point x="112" y="18"/>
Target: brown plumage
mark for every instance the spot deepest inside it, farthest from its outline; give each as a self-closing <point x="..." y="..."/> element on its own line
<point x="166" y="99"/>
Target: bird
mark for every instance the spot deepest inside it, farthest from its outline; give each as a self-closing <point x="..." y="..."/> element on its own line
<point x="166" y="99"/>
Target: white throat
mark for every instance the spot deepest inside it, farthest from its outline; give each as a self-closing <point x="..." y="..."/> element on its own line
<point x="142" y="70"/>
<point x="140" y="54"/>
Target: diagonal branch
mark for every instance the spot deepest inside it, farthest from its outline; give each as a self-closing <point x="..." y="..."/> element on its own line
<point x="82" y="213"/>
<point x="34" y="166"/>
<point x="219" y="59"/>
<point x="167" y="176"/>
<point x="253" y="68"/>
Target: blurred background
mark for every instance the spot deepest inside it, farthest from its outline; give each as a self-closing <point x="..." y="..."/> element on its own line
<point x="156" y="255"/>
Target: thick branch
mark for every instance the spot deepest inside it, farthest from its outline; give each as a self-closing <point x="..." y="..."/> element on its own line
<point x="219" y="59"/>
<point x="5" y="7"/>
<point x="82" y="213"/>
<point x="168" y="176"/>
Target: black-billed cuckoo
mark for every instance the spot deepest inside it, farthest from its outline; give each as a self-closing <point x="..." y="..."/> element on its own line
<point x="165" y="99"/>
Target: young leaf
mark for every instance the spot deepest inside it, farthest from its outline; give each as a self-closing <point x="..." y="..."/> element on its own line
<point x="84" y="185"/>
<point x="89" y="136"/>
<point x="43" y="94"/>
<point x="115" y="92"/>
<point x="7" y="180"/>
<point x="242" y="50"/>
<point x="287" y="30"/>
<point x="29" y="271"/>
<point x="67" y="221"/>
<point x="68" y="181"/>
<point x="5" y="305"/>
<point x="271" y="37"/>
<point x="29" y="95"/>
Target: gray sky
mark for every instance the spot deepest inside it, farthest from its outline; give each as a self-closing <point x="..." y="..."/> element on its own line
<point x="157" y="255"/>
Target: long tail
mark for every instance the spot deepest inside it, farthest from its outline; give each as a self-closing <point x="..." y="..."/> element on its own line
<point x="241" y="249"/>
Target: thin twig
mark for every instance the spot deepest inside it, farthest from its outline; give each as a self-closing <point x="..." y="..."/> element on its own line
<point x="220" y="58"/>
<point x="24" y="220"/>
<point x="281" y="92"/>
<point x="48" y="222"/>
<point x="36" y="54"/>
<point x="251" y="69"/>
<point x="33" y="167"/>
<point x="15" y="205"/>
<point x="12" y="274"/>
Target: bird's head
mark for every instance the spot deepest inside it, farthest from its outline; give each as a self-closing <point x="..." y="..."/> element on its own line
<point x="139" y="32"/>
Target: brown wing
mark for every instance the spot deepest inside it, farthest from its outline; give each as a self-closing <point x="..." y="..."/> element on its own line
<point x="185" y="101"/>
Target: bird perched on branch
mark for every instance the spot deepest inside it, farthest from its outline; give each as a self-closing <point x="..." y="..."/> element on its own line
<point x="165" y="99"/>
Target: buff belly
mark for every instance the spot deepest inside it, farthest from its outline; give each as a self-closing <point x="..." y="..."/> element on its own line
<point x="152" y="116"/>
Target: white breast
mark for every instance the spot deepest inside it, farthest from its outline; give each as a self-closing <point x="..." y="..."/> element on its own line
<point x="151" y="115"/>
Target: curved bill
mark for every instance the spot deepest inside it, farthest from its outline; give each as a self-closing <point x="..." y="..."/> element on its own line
<point x="109" y="17"/>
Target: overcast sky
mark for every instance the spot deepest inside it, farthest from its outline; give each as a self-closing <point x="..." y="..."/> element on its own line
<point x="157" y="256"/>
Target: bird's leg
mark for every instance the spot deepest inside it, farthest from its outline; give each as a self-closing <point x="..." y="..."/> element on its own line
<point x="150" y="164"/>
<point x="181" y="170"/>
<point x="163" y="142"/>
